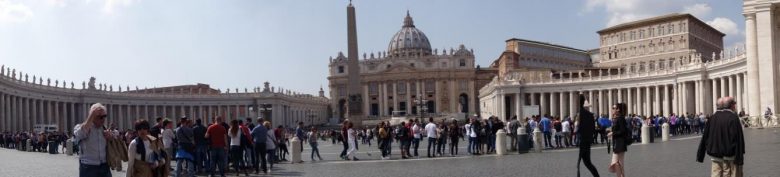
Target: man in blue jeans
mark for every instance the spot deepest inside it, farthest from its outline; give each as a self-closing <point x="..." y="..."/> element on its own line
<point x="430" y="130"/>
<point x="218" y="136"/>
<point x="260" y="135"/>
<point x="545" y="126"/>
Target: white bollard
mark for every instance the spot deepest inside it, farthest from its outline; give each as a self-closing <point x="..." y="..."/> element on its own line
<point x="665" y="132"/>
<point x="501" y="142"/>
<point x="29" y="145"/>
<point x="69" y="147"/>
<point x="295" y="155"/>
<point x="538" y="140"/>
<point x="645" y="134"/>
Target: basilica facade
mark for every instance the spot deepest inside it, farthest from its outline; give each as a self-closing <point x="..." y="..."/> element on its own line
<point x="410" y="79"/>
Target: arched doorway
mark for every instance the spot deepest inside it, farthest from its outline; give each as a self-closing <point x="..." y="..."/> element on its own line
<point x="431" y="106"/>
<point x="463" y="100"/>
<point x="342" y="108"/>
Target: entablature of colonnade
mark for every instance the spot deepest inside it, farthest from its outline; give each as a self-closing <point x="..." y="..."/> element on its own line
<point x="691" y="71"/>
<point x="12" y="86"/>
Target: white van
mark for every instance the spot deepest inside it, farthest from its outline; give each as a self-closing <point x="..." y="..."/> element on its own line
<point x="46" y="128"/>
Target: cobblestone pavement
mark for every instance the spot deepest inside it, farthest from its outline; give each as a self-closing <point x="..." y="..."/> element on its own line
<point x="674" y="158"/>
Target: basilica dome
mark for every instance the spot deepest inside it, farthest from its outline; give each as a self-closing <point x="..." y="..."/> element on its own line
<point x="409" y="40"/>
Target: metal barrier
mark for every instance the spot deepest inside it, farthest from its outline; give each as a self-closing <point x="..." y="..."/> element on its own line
<point x="759" y="121"/>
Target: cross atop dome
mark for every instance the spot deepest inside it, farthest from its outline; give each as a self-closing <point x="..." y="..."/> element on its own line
<point x="408" y="22"/>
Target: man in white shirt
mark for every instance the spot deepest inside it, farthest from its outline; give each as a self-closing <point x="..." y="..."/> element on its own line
<point x="566" y="129"/>
<point x="417" y="133"/>
<point x="469" y="131"/>
<point x="430" y="129"/>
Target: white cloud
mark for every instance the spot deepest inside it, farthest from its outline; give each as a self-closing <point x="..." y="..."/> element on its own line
<point x="725" y="26"/>
<point x="110" y="5"/>
<point x="698" y="10"/>
<point x="11" y="12"/>
<point x="621" y="11"/>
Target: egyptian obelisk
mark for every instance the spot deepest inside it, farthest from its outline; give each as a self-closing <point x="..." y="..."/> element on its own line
<point x="355" y="102"/>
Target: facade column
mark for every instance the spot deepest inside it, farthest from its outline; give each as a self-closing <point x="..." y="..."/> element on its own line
<point x="666" y="109"/>
<point x="573" y="103"/>
<point x="738" y="94"/>
<point x="591" y="101"/>
<point x="732" y="87"/>
<point x="610" y="102"/>
<point x="629" y="101"/>
<point x="714" y="95"/>
<point x="648" y="102"/>
<point x="544" y="105"/>
<point x="723" y="87"/>
<point x="767" y="64"/>
<point x="554" y="105"/>
<point x="657" y="101"/>
<point x="395" y="97"/>
<point x="563" y="104"/>
<point x="675" y="98"/>
<point x="751" y="47"/>
<point x="519" y="102"/>
<point x="407" y="92"/>
<point x="601" y="102"/>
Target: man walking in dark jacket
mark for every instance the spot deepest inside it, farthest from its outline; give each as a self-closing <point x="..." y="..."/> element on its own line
<point x="586" y="128"/>
<point x="723" y="140"/>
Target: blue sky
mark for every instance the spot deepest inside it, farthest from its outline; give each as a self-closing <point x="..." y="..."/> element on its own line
<point x="243" y="43"/>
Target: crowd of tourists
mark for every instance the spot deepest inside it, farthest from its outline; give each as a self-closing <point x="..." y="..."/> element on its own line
<point x="39" y="141"/>
<point x="190" y="147"/>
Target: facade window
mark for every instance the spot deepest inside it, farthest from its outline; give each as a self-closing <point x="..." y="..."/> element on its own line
<point x="401" y="87"/>
<point x="373" y="88"/>
<point x="430" y="86"/>
<point x="462" y="62"/>
<point x="412" y="87"/>
<point x="341" y="69"/>
<point x="661" y="31"/>
<point x="671" y="29"/>
<point x="652" y="30"/>
<point x="388" y="66"/>
<point x="641" y="34"/>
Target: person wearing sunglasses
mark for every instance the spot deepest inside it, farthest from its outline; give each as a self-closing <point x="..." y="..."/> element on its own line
<point x="93" y="139"/>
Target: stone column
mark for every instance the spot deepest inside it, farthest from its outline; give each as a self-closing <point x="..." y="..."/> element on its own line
<point x="666" y="109"/>
<point x="544" y="105"/>
<point x="630" y="101"/>
<point x="751" y="47"/>
<point x="723" y="86"/>
<point x="381" y="95"/>
<point x="675" y="98"/>
<point x="732" y="87"/>
<point x="573" y="103"/>
<point x="714" y="95"/>
<point x="600" y="102"/>
<point x="554" y="105"/>
<point x="767" y="64"/>
<point x="657" y="102"/>
<point x="620" y="95"/>
<point x="519" y="102"/>
<point x="648" y="101"/>
<point x="563" y="104"/>
<point x="591" y="101"/>
<point x="610" y="102"/>
<point x="408" y="99"/>
<point x="738" y="94"/>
